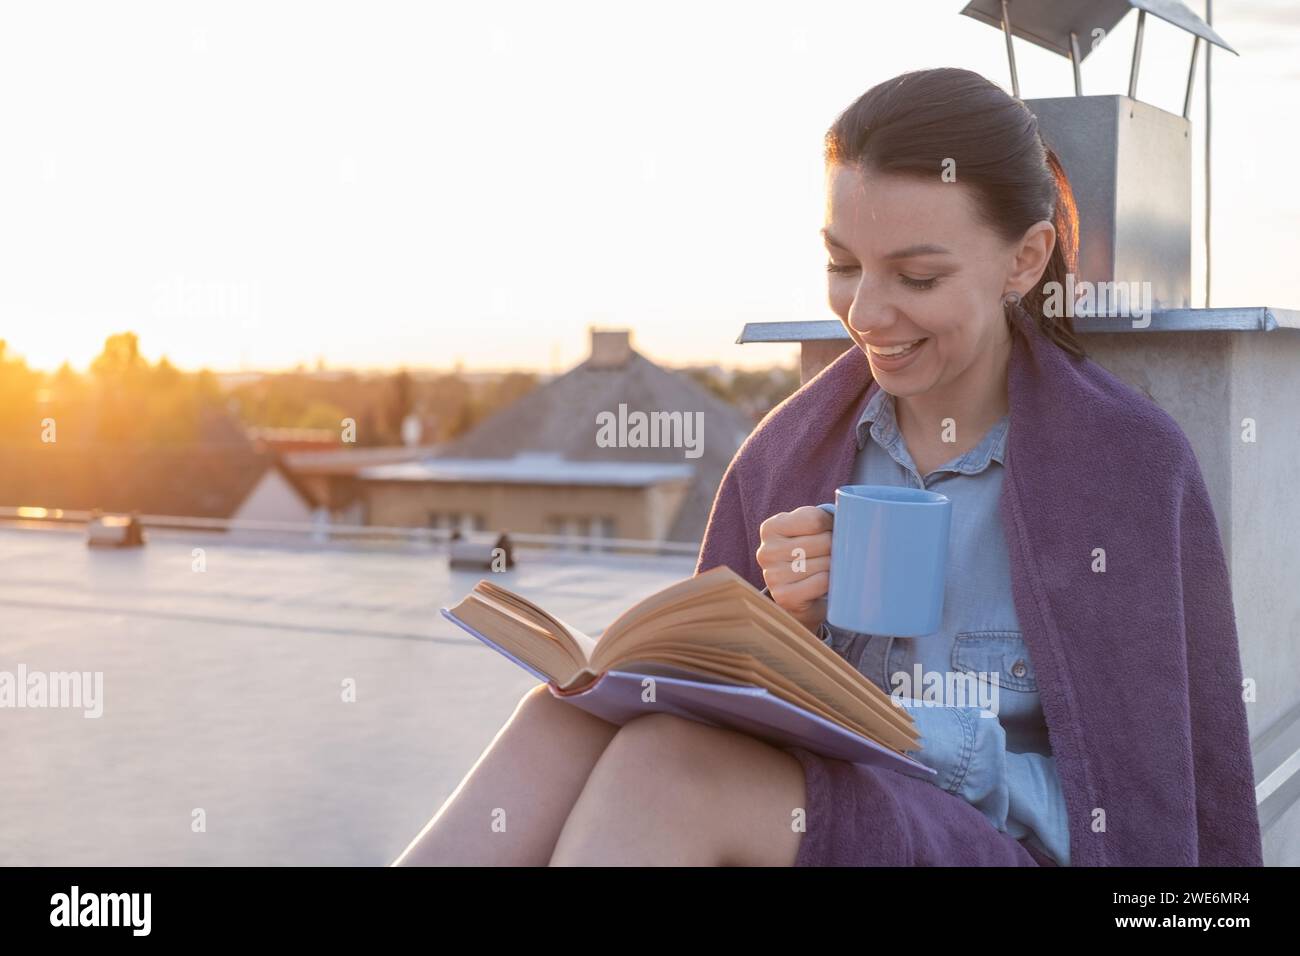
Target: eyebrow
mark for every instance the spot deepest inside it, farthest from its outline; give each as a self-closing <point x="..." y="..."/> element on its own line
<point x="919" y="249"/>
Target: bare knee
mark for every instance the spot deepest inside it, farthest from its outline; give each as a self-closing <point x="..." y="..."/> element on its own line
<point x="671" y="763"/>
<point x="540" y="704"/>
<point x="539" y="709"/>
<point x="742" y="791"/>
<point x="663" y="742"/>
<point x="536" y="697"/>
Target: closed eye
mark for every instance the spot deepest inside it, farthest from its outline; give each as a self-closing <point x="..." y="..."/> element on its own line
<point x="839" y="269"/>
<point x="918" y="283"/>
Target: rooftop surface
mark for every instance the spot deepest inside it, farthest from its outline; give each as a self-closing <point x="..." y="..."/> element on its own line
<point x="223" y="691"/>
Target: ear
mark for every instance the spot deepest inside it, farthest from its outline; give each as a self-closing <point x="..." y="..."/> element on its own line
<point x="1030" y="257"/>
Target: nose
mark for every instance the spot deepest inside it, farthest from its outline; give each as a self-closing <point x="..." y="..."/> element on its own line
<point x="870" y="311"/>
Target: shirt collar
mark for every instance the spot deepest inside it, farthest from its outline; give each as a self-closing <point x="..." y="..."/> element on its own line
<point x="878" y="422"/>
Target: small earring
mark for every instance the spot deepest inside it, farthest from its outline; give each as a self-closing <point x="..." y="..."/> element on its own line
<point x="1011" y="299"/>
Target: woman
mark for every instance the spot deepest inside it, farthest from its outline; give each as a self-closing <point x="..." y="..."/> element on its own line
<point x="1092" y="572"/>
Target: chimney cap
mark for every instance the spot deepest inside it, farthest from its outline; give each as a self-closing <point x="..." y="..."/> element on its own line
<point x="1048" y="23"/>
<point x="610" y="348"/>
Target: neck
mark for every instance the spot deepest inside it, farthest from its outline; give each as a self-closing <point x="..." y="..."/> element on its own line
<point x="974" y="401"/>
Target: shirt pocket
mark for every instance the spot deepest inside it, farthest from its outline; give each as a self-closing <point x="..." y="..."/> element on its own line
<point x="995" y="655"/>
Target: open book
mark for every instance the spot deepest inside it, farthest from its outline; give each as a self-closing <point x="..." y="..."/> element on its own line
<point x="710" y="648"/>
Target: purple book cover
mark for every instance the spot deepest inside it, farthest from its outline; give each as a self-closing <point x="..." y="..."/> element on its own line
<point x="616" y="697"/>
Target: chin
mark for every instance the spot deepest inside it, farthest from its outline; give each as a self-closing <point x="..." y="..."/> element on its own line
<point x="904" y="383"/>
<point x="899" y="390"/>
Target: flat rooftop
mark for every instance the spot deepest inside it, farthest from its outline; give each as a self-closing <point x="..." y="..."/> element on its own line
<point x="223" y="691"/>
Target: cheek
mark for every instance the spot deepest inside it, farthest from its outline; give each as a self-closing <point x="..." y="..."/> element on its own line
<point x="958" y="347"/>
<point x="951" y="339"/>
<point x="840" y="298"/>
<point x="952" y="347"/>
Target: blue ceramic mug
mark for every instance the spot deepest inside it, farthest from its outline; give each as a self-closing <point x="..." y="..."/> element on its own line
<point x="889" y="552"/>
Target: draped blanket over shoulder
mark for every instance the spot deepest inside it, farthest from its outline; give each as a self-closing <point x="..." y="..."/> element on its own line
<point x="1138" y="665"/>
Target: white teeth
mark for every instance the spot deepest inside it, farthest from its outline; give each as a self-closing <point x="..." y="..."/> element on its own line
<point x="897" y="349"/>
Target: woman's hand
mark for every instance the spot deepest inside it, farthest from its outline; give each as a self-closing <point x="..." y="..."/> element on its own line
<point x="795" y="555"/>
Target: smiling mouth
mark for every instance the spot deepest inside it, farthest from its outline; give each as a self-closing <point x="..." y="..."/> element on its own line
<point x="896" y="351"/>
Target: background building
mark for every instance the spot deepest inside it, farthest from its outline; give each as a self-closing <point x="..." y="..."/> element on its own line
<point x="536" y="466"/>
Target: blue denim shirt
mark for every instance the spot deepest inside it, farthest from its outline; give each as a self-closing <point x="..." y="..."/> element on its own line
<point x="1001" y="764"/>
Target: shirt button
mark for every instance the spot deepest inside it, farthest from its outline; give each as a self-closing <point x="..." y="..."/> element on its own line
<point x="1019" y="668"/>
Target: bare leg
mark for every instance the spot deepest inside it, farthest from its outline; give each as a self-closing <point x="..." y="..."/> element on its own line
<point x="672" y="791"/>
<point x="511" y="805"/>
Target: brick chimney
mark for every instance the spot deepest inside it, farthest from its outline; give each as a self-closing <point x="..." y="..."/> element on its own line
<point x="610" y="348"/>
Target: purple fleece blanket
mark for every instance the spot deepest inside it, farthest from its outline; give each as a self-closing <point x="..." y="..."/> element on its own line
<point x="1138" y="666"/>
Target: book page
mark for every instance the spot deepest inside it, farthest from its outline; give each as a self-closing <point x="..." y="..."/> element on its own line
<point x="581" y="646"/>
<point x="719" y="610"/>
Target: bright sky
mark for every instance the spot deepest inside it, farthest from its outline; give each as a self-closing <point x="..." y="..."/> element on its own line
<point x="257" y="184"/>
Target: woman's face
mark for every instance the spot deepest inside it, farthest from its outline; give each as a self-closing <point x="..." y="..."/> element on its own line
<point x="908" y="261"/>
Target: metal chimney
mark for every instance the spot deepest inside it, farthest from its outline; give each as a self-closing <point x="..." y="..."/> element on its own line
<point x="1130" y="163"/>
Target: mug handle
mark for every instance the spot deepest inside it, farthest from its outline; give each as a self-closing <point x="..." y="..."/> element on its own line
<point x="829" y="508"/>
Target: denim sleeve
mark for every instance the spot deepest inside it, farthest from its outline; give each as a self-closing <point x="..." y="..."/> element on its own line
<point x="1038" y="803"/>
<point x="822" y="631"/>
<point x="1019" y="793"/>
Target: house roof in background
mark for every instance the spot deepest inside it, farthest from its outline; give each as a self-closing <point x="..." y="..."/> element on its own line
<point x="349" y="460"/>
<point x="559" y="417"/>
<point x="205" y="480"/>
<point x="532" y="468"/>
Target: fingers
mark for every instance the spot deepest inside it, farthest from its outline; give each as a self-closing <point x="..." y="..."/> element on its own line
<point x="794" y="554"/>
<point x="807" y="528"/>
<point x="786" y="572"/>
<point x="782" y="552"/>
<point x="802" y="593"/>
<point x="808" y="519"/>
<point x="798" y="590"/>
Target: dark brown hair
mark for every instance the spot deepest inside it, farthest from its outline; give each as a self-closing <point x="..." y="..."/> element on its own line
<point x="912" y="124"/>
